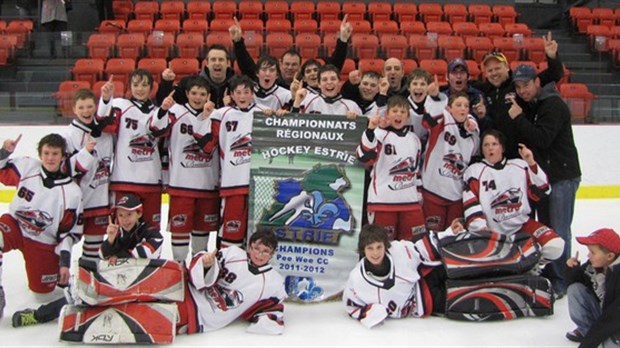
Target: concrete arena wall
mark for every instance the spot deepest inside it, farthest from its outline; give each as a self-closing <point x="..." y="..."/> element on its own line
<point x="598" y="146"/>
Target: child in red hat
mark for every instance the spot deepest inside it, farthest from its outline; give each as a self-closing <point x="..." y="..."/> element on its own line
<point x="594" y="291"/>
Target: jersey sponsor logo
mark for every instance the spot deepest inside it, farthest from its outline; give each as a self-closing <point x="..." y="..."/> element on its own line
<point x="142" y="148"/>
<point x="5" y="228"/>
<point x="224" y="298"/>
<point x="33" y="222"/>
<point x="233" y="226"/>
<point x="179" y="220"/>
<point x="403" y="174"/>
<point x="194" y="157"/>
<point x="312" y="209"/>
<point x="210" y="218"/>
<point x="102" y="174"/>
<point x="49" y="278"/>
<point x="453" y="166"/>
<point x="507" y="204"/>
<point x="241" y="149"/>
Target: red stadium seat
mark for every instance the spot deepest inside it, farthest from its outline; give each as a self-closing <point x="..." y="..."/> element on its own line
<point x="250" y="9"/>
<point x="412" y="28"/>
<point x="474" y="69"/>
<point x="195" y="25"/>
<point x="8" y="44"/>
<point x="394" y="45"/>
<point x="478" y="46"/>
<point x="143" y="26"/>
<point x="221" y="24"/>
<point x="327" y="10"/>
<point x="355" y="11"/>
<point x="578" y="98"/>
<point x="361" y="26"/>
<point x="364" y="46"/>
<point x="219" y="38"/>
<point x="329" y="26"/>
<point x="308" y="45"/>
<point x="534" y="49"/>
<point x="379" y="11"/>
<point x="580" y="18"/>
<point x="198" y="9"/>
<point x="455" y="13"/>
<point x="349" y="65"/>
<point x="146" y="10"/>
<point x="385" y="27"/>
<point x="278" y="9"/>
<point x="451" y="47"/>
<point x="21" y="28"/>
<point x="372" y="64"/>
<point x="305" y="26"/>
<point x="329" y="43"/>
<point x="423" y="47"/>
<point x="465" y="29"/>
<point x="168" y="25"/>
<point x="189" y="45"/>
<point x="115" y="26"/>
<point x="123" y="9"/>
<point x="437" y="67"/>
<point x="301" y="10"/>
<point x="101" y="45"/>
<point x="441" y="28"/>
<point x="253" y="43"/>
<point x="480" y="13"/>
<point x="409" y="65"/>
<point x="491" y="30"/>
<point x="507" y="46"/>
<point x="255" y="25"/>
<point x="89" y="70"/>
<point x="130" y="45"/>
<point x="598" y="36"/>
<point x="278" y="43"/>
<point x="155" y="65"/>
<point x="64" y="96"/>
<point x="184" y="67"/>
<point x="278" y="26"/>
<point x="430" y="12"/>
<point x="159" y="44"/>
<point x="505" y="14"/>
<point x="405" y="11"/>
<point x="604" y="16"/>
<point x="224" y="9"/>
<point x="517" y="28"/>
<point x="120" y="68"/>
<point x="172" y="9"/>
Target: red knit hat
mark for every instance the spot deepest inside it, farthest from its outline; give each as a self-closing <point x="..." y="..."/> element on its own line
<point x="605" y="237"/>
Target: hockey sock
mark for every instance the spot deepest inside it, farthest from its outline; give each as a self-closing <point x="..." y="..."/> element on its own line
<point x="49" y="311"/>
<point x="90" y="247"/>
<point x="199" y="241"/>
<point x="180" y="245"/>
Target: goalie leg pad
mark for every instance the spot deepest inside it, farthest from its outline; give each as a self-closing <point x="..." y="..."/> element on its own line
<point x="143" y="323"/>
<point x="499" y="298"/>
<point x="129" y="280"/>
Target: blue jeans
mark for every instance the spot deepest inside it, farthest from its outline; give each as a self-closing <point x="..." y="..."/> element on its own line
<point x="561" y="209"/>
<point x="584" y="309"/>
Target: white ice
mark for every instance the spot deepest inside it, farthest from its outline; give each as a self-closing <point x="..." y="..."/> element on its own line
<point x="327" y="324"/>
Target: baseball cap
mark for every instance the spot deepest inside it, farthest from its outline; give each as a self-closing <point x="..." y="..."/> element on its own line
<point x="605" y="237"/>
<point x="494" y="55"/>
<point x="524" y="73"/>
<point x="128" y="201"/>
<point x="455" y="63"/>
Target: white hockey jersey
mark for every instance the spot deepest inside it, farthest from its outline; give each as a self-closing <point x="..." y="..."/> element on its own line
<point x="193" y="172"/>
<point x="137" y="163"/>
<point x="232" y="288"/>
<point x="317" y="104"/>
<point x="416" y="114"/>
<point x="372" y="299"/>
<point x="95" y="182"/>
<point x="231" y="131"/>
<point x="47" y="209"/>
<point x="496" y="196"/>
<point x="275" y="98"/>
<point x="395" y="176"/>
<point x="448" y="153"/>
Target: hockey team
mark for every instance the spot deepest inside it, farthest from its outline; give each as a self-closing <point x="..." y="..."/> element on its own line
<point x="470" y="163"/>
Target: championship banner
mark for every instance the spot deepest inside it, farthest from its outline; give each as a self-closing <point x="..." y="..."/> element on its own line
<point x="307" y="186"/>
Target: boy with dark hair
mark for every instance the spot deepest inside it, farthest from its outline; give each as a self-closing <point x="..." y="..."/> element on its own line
<point x="230" y="130"/>
<point x="95" y="181"/>
<point x="594" y="291"/>
<point x="44" y="220"/>
<point x="368" y="90"/>
<point x="394" y="153"/>
<point x="194" y="174"/>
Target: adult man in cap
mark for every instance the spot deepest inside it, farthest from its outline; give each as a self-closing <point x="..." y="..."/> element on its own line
<point x="542" y="119"/>
<point x="457" y="77"/>
<point x="498" y="87"/>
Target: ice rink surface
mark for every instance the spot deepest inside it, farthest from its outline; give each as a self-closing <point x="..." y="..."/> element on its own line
<point x="327" y="324"/>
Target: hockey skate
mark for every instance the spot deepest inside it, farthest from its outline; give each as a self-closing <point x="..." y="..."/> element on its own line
<point x="24" y="317"/>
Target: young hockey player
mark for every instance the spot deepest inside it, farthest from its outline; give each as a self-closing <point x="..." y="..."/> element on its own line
<point x="496" y="195"/>
<point x="128" y="236"/>
<point x="230" y="131"/>
<point x="594" y="291"/>
<point x="424" y="97"/>
<point x="194" y="174"/>
<point x="95" y="182"/>
<point x="44" y="220"/>
<point x="329" y="101"/>
<point x="137" y="164"/>
<point x="394" y="154"/>
<point x="388" y="280"/>
<point x="368" y="90"/>
<point x="453" y="140"/>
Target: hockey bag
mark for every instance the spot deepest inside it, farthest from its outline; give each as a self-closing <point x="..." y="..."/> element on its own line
<point x="502" y="298"/>
<point x="142" y="323"/>
<point x="129" y="280"/>
<point x="485" y="253"/>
